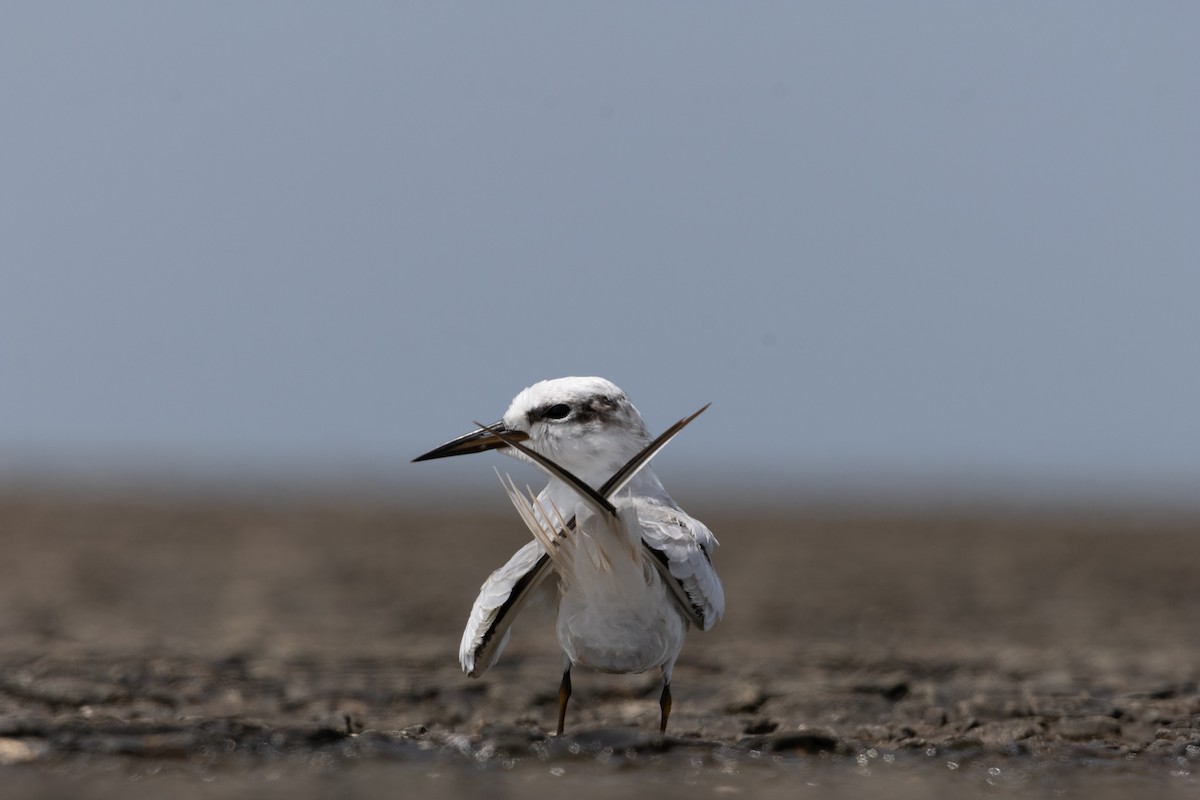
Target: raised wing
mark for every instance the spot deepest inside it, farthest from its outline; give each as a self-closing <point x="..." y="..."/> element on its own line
<point x="625" y="474"/>
<point x="680" y="547"/>
<point x="598" y="499"/>
<point x="501" y="598"/>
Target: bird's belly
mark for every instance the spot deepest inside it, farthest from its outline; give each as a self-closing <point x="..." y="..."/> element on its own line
<point x="621" y="638"/>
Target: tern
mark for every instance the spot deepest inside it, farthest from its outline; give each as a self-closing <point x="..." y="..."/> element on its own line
<point x="633" y="570"/>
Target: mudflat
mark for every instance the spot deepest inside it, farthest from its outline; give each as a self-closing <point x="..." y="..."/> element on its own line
<point x="208" y="647"/>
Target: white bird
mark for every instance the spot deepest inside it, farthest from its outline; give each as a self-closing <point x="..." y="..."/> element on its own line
<point x="633" y="569"/>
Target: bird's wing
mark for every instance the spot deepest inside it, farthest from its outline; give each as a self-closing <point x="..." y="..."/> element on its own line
<point x="597" y="499"/>
<point x="501" y="598"/>
<point x="625" y="474"/>
<point x="680" y="547"/>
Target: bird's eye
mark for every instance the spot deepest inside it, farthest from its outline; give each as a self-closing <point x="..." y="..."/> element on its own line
<point x="559" y="411"/>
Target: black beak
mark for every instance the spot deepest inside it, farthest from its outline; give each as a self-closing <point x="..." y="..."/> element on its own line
<point x="474" y="442"/>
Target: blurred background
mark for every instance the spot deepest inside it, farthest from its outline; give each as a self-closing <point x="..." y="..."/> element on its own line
<point x="937" y="251"/>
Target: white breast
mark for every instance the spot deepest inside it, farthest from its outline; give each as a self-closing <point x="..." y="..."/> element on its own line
<point x="615" y="614"/>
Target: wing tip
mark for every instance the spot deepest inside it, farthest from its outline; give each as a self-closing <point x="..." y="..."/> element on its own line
<point x="470" y="664"/>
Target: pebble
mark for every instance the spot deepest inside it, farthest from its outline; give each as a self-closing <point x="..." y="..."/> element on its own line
<point x="1087" y="728"/>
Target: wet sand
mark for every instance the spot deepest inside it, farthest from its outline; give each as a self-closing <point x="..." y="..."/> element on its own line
<point x="309" y="648"/>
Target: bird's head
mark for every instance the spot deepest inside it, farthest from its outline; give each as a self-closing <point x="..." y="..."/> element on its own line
<point x="586" y="425"/>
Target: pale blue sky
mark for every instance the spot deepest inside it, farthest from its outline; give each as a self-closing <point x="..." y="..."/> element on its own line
<point x="954" y="244"/>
